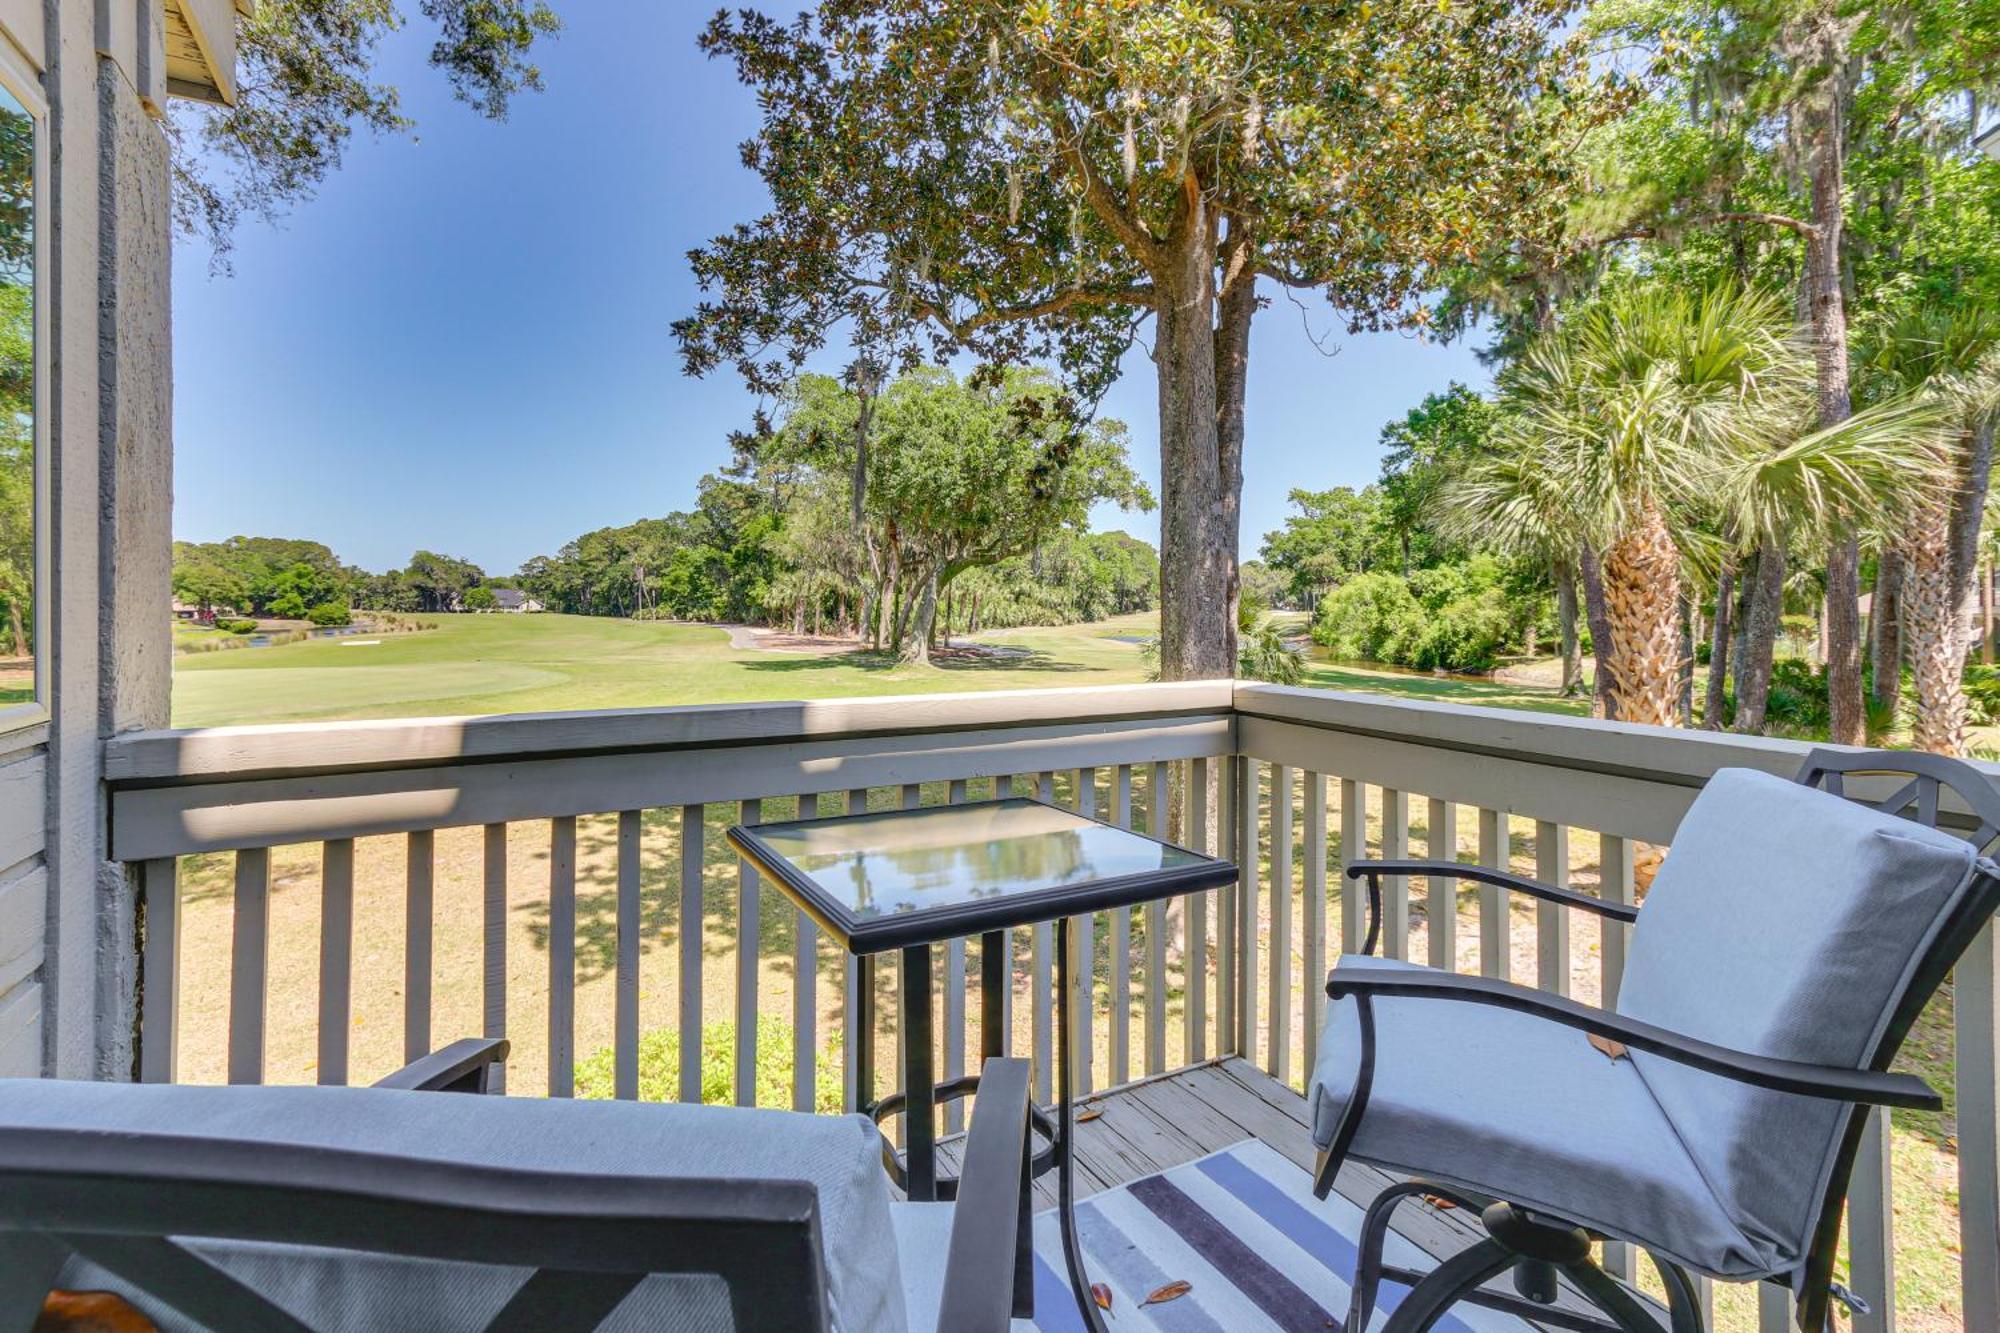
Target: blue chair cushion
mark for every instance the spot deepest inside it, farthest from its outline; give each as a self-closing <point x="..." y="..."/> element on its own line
<point x="1786" y="922"/>
<point x="341" y="1290"/>
<point x="1503" y="1104"/>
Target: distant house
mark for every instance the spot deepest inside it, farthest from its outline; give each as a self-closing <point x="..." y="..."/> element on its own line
<point x="1989" y="142"/>
<point x="514" y="600"/>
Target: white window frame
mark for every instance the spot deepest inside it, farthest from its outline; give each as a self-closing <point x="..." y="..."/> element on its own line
<point x="25" y="85"/>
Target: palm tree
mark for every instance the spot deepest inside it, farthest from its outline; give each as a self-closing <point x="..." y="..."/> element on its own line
<point x="1657" y="408"/>
<point x="1949" y="359"/>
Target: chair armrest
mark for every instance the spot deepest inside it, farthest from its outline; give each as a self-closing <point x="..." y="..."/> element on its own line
<point x="1506" y="879"/>
<point x="986" y="1221"/>
<point x="463" y="1066"/>
<point x="1831" y="1082"/>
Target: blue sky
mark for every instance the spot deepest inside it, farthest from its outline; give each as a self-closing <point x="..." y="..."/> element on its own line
<point x="463" y="343"/>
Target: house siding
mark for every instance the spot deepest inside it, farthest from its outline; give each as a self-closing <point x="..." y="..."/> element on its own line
<point x="68" y="955"/>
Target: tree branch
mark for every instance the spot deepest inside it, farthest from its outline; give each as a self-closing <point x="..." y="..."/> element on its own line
<point x="1138" y="295"/>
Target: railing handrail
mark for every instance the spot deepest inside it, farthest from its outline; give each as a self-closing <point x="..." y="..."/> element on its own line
<point x="234" y="754"/>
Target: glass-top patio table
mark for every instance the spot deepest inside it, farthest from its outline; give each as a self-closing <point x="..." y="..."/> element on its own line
<point x="904" y="880"/>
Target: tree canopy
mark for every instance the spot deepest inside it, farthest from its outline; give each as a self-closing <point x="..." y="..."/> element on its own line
<point x="1033" y="181"/>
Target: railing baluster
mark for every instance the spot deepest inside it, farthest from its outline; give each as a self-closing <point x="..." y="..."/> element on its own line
<point x="1495" y="928"/>
<point x="954" y="1000"/>
<point x="1551" y="919"/>
<point x="1040" y="963"/>
<point x="1312" y="924"/>
<point x="854" y="1010"/>
<point x="1278" y="1059"/>
<point x="249" y="964"/>
<point x="1395" y="888"/>
<point x="1159" y="924"/>
<point x="1871" y="1246"/>
<point x="692" y="929"/>
<point x="1353" y="847"/>
<point x="1775" y="1312"/>
<point x="625" y="1016"/>
<point x="493" y="997"/>
<point x="417" y="928"/>
<point x="1121" y="948"/>
<point x="160" y="1036"/>
<point x="1975" y="1002"/>
<point x="805" y="996"/>
<point x="1085" y="971"/>
<point x="562" y="956"/>
<point x="1228" y="1031"/>
<point x="1441" y="892"/>
<point x="748" y="919"/>
<point x="1249" y="799"/>
<point x="1194" y="953"/>
<point x="336" y="958"/>
<point x="912" y="797"/>
<point x="1616" y="883"/>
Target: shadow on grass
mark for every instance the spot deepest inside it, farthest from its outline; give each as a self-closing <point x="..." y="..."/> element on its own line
<point x="943" y="659"/>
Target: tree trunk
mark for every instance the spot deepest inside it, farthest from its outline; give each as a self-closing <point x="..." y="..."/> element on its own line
<point x="1687" y="628"/>
<point x="1235" y="308"/>
<point x="1937" y="650"/>
<point x="1598" y="616"/>
<point x="1761" y="623"/>
<point x="1986" y="615"/>
<point x="1197" y="594"/>
<point x="917" y="651"/>
<point x="1714" y="700"/>
<point x="1968" y="509"/>
<point x="1848" y="718"/>
<point x="17" y="628"/>
<point x="1572" y="646"/>
<point x="1642" y="594"/>
<point x="1885" y="632"/>
<point x="1820" y="113"/>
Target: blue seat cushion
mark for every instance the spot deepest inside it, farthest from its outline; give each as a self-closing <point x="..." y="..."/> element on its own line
<point x="1518" y="1108"/>
<point x="340" y="1290"/>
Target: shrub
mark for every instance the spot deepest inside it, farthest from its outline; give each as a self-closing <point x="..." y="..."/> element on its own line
<point x="1466" y="634"/>
<point x="1799" y="699"/>
<point x="329" y="614"/>
<point x="1263" y="654"/>
<point x="660" y="1067"/>
<point x="1371" y="617"/>
<point x="1982" y="693"/>
<point x="237" y="626"/>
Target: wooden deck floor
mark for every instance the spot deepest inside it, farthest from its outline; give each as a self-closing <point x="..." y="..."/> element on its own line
<point x="1162" y="1122"/>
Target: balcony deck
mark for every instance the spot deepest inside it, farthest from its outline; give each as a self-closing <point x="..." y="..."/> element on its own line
<point x="1162" y="1122"/>
<point x="335" y="891"/>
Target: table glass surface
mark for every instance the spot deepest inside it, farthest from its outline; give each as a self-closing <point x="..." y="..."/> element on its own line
<point x="908" y="861"/>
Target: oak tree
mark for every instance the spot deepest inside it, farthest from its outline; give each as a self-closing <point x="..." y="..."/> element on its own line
<point x="1039" y="180"/>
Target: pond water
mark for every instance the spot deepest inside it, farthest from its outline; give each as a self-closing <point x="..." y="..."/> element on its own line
<point x="329" y="632"/>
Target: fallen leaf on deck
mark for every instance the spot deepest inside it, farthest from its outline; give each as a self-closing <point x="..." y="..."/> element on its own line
<point x="1101" y="1294"/>
<point x="1089" y="1114"/>
<point x="1439" y="1202"/>
<point x="1614" y="1049"/>
<point x="1173" y="1291"/>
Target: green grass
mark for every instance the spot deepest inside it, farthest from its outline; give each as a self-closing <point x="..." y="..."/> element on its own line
<point x="505" y="664"/>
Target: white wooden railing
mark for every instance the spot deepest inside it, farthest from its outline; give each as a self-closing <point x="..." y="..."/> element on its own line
<point x="1307" y="778"/>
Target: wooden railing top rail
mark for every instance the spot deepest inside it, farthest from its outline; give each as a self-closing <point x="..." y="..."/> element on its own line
<point x="1617" y="777"/>
<point x="232" y="754"/>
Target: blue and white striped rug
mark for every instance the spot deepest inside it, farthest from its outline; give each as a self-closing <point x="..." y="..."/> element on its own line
<point x="1242" y="1229"/>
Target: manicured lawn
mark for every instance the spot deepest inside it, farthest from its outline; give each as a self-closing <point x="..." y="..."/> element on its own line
<point x="503" y="664"/>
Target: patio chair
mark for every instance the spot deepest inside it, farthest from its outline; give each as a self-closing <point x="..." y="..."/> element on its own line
<point x="1787" y="944"/>
<point x="277" y="1208"/>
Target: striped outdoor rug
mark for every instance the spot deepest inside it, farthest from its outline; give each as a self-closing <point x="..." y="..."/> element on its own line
<point x="1242" y="1229"/>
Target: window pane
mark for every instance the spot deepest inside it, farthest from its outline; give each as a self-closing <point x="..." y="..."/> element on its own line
<point x="17" y="402"/>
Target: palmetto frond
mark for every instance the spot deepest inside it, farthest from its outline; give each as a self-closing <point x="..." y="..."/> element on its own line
<point x="1874" y="468"/>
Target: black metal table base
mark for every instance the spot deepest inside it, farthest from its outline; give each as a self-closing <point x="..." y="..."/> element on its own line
<point x="915" y="1168"/>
